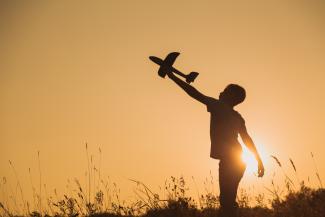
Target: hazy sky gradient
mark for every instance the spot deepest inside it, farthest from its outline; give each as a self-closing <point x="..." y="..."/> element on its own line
<point x="73" y="72"/>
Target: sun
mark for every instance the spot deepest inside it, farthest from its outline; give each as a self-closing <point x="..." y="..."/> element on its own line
<point x="250" y="161"/>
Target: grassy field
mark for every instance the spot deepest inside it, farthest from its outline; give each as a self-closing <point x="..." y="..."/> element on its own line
<point x="100" y="198"/>
<point x="305" y="202"/>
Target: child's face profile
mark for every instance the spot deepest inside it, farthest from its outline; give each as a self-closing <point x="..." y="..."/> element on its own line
<point x="233" y="94"/>
<point x="228" y="96"/>
<point x="224" y="95"/>
<point x="221" y="94"/>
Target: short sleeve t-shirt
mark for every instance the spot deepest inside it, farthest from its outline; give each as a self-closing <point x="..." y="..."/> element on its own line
<point x="225" y="125"/>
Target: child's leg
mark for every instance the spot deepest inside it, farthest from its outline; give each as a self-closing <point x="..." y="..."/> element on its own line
<point x="230" y="174"/>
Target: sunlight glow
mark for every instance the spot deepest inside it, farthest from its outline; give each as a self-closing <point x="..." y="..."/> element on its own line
<point x="250" y="161"/>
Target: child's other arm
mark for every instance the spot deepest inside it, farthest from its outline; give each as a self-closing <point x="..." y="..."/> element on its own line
<point x="251" y="146"/>
<point x="190" y="90"/>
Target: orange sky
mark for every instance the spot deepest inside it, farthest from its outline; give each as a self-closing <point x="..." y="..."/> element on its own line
<point x="73" y="72"/>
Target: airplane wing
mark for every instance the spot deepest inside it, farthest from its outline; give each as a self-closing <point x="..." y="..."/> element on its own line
<point x="170" y="59"/>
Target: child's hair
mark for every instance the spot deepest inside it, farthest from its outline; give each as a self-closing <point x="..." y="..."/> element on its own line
<point x="237" y="93"/>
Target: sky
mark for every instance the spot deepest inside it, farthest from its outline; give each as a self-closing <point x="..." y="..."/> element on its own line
<point x="73" y="73"/>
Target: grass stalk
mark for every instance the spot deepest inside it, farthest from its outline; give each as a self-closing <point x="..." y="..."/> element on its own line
<point x="40" y="182"/>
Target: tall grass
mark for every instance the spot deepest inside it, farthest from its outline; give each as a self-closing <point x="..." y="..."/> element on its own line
<point x="101" y="197"/>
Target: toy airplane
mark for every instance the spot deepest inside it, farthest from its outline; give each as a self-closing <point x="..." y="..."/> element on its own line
<point x="166" y="66"/>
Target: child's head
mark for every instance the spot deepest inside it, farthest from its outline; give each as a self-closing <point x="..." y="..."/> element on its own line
<point x="233" y="94"/>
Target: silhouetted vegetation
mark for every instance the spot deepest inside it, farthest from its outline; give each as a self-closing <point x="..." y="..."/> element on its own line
<point x="100" y="198"/>
<point x="306" y="202"/>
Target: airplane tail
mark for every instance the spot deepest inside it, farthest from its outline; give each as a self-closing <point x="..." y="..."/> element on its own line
<point x="191" y="77"/>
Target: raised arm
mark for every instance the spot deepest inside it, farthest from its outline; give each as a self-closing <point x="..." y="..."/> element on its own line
<point x="190" y="90"/>
<point x="251" y="146"/>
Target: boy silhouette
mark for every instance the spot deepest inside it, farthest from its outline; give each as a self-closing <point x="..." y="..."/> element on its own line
<point x="225" y="125"/>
